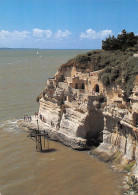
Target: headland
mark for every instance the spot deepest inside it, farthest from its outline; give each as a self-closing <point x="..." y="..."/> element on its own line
<point x="93" y="100"/>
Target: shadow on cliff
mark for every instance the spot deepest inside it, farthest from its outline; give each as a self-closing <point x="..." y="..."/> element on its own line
<point x="48" y="150"/>
<point x="92" y="128"/>
<point x="93" y="142"/>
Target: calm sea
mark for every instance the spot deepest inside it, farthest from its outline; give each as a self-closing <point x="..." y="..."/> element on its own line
<point x="23" y="171"/>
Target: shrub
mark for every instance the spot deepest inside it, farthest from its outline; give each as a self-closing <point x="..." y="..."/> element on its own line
<point x="68" y="64"/>
<point x="108" y="69"/>
<point x="122" y="66"/>
<point x="114" y="74"/>
<point x="105" y="79"/>
<point x="133" y="184"/>
<point x="101" y="98"/>
<point x="119" y="81"/>
<point x="83" y="58"/>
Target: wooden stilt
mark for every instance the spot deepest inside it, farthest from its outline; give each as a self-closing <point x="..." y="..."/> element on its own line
<point x="48" y="143"/>
<point x="40" y="144"/>
<point x="40" y="138"/>
<point x="44" y="141"/>
<point x="36" y="142"/>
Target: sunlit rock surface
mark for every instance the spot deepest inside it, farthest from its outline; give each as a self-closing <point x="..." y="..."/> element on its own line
<point x="73" y="112"/>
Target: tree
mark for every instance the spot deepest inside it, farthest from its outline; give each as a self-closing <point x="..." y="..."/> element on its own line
<point x="123" y="41"/>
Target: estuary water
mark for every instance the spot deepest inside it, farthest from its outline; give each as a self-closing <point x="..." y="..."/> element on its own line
<point x="23" y="170"/>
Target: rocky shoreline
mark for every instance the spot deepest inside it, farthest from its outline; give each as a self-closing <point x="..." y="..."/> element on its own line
<point x="75" y="143"/>
<point x="104" y="152"/>
<point x="78" y="110"/>
<point x="118" y="162"/>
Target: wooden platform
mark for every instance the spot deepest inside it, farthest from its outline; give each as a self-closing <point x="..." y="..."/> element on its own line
<point x="41" y="138"/>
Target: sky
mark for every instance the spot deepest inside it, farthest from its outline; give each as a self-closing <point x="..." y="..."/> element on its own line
<point x="64" y="24"/>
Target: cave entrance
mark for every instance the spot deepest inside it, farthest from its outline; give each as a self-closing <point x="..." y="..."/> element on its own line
<point x="96" y="88"/>
<point x="82" y="86"/>
<point x="135" y="119"/>
<point x="76" y="85"/>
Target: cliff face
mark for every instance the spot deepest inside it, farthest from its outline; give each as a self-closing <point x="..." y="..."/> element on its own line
<point x="121" y="133"/>
<point x="71" y="111"/>
<point x="79" y="111"/>
<point x="72" y="107"/>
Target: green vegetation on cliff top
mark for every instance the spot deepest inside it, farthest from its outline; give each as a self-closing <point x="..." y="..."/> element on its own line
<point x="122" y="41"/>
<point x="118" y="65"/>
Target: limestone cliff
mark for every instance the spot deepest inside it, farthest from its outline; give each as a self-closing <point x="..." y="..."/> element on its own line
<point x="79" y="111"/>
<point x="73" y="105"/>
<point x="68" y="105"/>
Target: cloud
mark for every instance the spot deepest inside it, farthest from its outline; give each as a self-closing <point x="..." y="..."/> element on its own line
<point x="92" y="34"/>
<point x="36" y="34"/>
<point x="14" y="34"/>
<point x="62" y="34"/>
<point x="33" y="38"/>
<point x="42" y="33"/>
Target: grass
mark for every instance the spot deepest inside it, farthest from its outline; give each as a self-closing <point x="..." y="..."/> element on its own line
<point x="129" y="166"/>
<point x="117" y="157"/>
